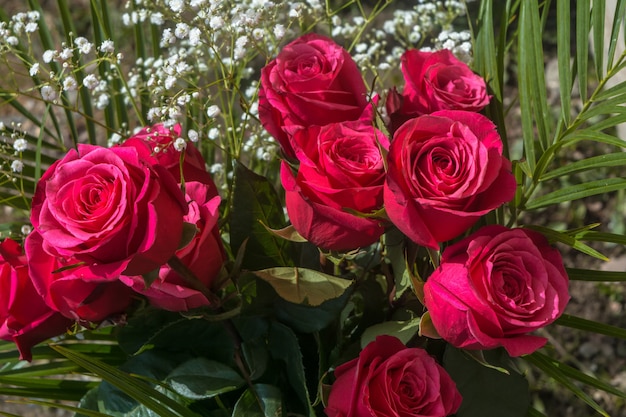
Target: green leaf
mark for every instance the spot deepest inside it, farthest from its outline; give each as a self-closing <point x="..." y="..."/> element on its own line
<point x="582" y="377"/>
<point x="255" y="204"/>
<point x="583" y="18"/>
<point x="591" y="326"/>
<point x="485" y="390"/>
<point x="549" y="367"/>
<point x="595" y="275"/>
<point x="154" y="328"/>
<point x="403" y="330"/>
<point x="284" y="347"/>
<point x="556" y="236"/>
<point x="201" y="378"/>
<point x="575" y="192"/>
<point x="601" y="161"/>
<point x="304" y="286"/>
<point x="134" y="387"/>
<point x="563" y="41"/>
<point x="261" y="400"/>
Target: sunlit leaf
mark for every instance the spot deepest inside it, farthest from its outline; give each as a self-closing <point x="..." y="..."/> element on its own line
<point x="575" y="192"/>
<point x="304" y="286"/>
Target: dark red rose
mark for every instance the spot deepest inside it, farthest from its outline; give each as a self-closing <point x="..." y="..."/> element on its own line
<point x="24" y="316"/>
<point x="203" y="255"/>
<point x="341" y="169"/>
<point x="109" y="208"/>
<point x="73" y="289"/>
<point x="312" y="81"/>
<point x="445" y="171"/>
<point x="435" y="81"/>
<point x="389" y="379"/>
<point x="496" y="286"/>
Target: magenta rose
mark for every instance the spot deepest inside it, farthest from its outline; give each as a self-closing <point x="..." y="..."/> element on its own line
<point x="389" y="379"/>
<point x="496" y="286"/>
<point x="204" y="256"/>
<point x="156" y="144"/>
<point x="445" y="171"/>
<point x="312" y="81"/>
<point x="25" y="319"/>
<point x="435" y="81"/>
<point x="341" y="169"/>
<point x="72" y="289"/>
<point x="109" y="209"/>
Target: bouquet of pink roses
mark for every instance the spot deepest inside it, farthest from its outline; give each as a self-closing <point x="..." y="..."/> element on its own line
<point x="377" y="263"/>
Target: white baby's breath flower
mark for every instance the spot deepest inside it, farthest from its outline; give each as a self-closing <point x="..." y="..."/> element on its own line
<point x="70" y="84"/>
<point x="20" y="145"/>
<point x="48" y="93"/>
<point x="115" y="138"/>
<point x="48" y="56"/>
<point x="83" y="45"/>
<point x="180" y="144"/>
<point x="31" y="27"/>
<point x="103" y="101"/>
<point x="12" y="40"/>
<point x="26" y="229"/>
<point x="2" y="126"/>
<point x="34" y="69"/>
<point x="17" y="166"/>
<point x="156" y="18"/>
<point x="213" y="111"/>
<point x="214" y="133"/>
<point x="176" y="5"/>
<point x="107" y="46"/>
<point x="193" y="135"/>
<point x="182" y="30"/>
<point x="279" y="31"/>
<point x="90" y="81"/>
<point x="216" y="22"/>
<point x="195" y="36"/>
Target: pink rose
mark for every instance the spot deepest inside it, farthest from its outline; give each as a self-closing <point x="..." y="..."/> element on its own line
<point x="445" y="171"/>
<point x="496" y="286"/>
<point x="435" y="81"/>
<point x="72" y="289"/>
<point x="312" y="81"/>
<point x="204" y="256"/>
<point x="162" y="138"/>
<point x="341" y="168"/>
<point x="110" y="209"/>
<point x="388" y="379"/>
<point x="24" y="317"/>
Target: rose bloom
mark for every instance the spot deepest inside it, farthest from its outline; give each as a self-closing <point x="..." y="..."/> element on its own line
<point x="72" y="289"/>
<point x="445" y="171"/>
<point x="312" y="81"/>
<point x="162" y="138"/>
<point x="25" y="319"/>
<point x="389" y="379"/>
<point x="496" y="286"/>
<point x="110" y="209"/>
<point x="435" y="81"/>
<point x="341" y="167"/>
<point x="203" y="255"/>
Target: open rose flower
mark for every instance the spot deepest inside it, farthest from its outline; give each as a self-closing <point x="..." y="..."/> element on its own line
<point x="496" y="286"/>
<point x="341" y="168"/>
<point x="445" y="170"/>
<point x="25" y="319"/>
<point x="156" y="145"/>
<point x="312" y="81"/>
<point x="203" y="255"/>
<point x="435" y="81"/>
<point x="110" y="209"/>
<point x="389" y="379"/>
<point x="71" y="288"/>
